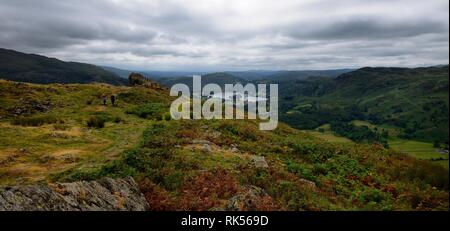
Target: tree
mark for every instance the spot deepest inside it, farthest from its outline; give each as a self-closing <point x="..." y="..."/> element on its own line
<point x="436" y="144"/>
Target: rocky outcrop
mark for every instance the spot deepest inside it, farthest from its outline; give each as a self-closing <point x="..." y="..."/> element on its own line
<point x="136" y="79"/>
<point x="308" y="183"/>
<point x="259" y="161"/>
<point x="248" y="200"/>
<point x="28" y="106"/>
<point x="103" y="195"/>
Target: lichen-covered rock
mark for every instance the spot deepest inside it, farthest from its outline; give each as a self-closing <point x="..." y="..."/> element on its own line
<point x="233" y="148"/>
<point x="103" y="195"/>
<point x="259" y="161"/>
<point x="247" y="200"/>
<point x="201" y="142"/>
<point x="308" y="183"/>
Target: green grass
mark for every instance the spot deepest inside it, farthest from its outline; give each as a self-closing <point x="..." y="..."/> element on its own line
<point x="417" y="149"/>
<point x="180" y="175"/>
<point x="330" y="137"/>
<point x="412" y="103"/>
<point x="66" y="129"/>
<point x="393" y="131"/>
<point x="420" y="150"/>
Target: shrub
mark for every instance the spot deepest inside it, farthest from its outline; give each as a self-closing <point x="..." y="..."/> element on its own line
<point x="301" y="170"/>
<point x="373" y="195"/>
<point x="157" y="197"/>
<point x="243" y="131"/>
<point x="96" y="122"/>
<point x="208" y="190"/>
<point x="89" y="101"/>
<point x="159" y="135"/>
<point x="173" y="180"/>
<point x="61" y="127"/>
<point x="149" y="111"/>
<point x="166" y="116"/>
<point x="35" y="121"/>
<point x="316" y="152"/>
<point x="434" y="175"/>
<point x="116" y="169"/>
<point x="292" y="195"/>
<point x="117" y="119"/>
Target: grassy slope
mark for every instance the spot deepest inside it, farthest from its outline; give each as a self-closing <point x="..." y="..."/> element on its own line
<point x="175" y="174"/>
<point x="52" y="148"/>
<point x="401" y="95"/>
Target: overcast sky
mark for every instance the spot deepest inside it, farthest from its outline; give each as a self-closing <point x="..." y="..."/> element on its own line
<point x="208" y="35"/>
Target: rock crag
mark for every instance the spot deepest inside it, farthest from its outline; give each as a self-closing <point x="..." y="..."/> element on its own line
<point x="103" y="195"/>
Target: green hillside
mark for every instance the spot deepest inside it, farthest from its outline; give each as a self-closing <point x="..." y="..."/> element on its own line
<point x="63" y="133"/>
<point x="283" y="76"/>
<point x="415" y="100"/>
<point x="32" y="68"/>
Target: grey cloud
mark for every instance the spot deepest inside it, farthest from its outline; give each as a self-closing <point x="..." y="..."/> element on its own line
<point x="176" y="34"/>
<point x="370" y="28"/>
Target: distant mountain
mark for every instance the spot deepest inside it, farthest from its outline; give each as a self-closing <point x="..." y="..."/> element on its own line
<point x="253" y="75"/>
<point x="171" y="74"/>
<point x="299" y="75"/>
<point x="33" y="68"/>
<point x="276" y="76"/>
<point x="120" y="72"/>
<point x="218" y="78"/>
<point x="248" y="76"/>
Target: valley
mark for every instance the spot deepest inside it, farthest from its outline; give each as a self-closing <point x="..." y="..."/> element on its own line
<point x="376" y="99"/>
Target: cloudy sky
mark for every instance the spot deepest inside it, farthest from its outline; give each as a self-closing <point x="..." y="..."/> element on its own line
<point x="208" y="35"/>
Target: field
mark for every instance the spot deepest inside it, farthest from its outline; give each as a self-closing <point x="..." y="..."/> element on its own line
<point x="393" y="131"/>
<point x="420" y="150"/>
<point x="330" y="137"/>
<point x="417" y="149"/>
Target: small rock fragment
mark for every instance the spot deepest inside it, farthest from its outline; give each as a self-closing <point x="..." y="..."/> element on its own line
<point x="207" y="148"/>
<point x="259" y="161"/>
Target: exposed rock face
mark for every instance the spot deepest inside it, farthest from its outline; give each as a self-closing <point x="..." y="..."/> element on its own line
<point x="104" y="195"/>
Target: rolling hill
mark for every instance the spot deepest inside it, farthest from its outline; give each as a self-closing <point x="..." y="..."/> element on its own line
<point x="285" y="75"/>
<point x="33" y="68"/>
<point x="120" y="72"/>
<point x="413" y="99"/>
<point x="301" y="75"/>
